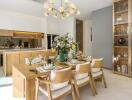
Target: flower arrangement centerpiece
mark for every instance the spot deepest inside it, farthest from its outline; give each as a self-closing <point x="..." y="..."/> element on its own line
<point x="64" y="44"/>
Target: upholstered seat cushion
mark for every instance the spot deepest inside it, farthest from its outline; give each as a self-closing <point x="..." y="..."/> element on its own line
<point x="83" y="80"/>
<point x="58" y="86"/>
<point x="81" y="76"/>
<point x="96" y="74"/>
<point x="56" y="93"/>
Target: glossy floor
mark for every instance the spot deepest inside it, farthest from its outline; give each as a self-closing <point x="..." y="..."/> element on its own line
<point x="119" y="88"/>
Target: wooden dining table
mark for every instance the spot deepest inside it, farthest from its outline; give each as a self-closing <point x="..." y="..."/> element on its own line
<point x="24" y="80"/>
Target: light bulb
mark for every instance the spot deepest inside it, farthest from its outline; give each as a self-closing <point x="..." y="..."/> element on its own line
<point x="61" y="9"/>
<point x="49" y="9"/>
<point x="46" y="13"/>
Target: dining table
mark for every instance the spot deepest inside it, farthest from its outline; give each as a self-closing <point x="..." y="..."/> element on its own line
<point x="24" y="77"/>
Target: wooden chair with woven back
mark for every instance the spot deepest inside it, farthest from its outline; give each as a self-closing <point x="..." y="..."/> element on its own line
<point x="58" y="85"/>
<point x="82" y="77"/>
<point x="97" y="71"/>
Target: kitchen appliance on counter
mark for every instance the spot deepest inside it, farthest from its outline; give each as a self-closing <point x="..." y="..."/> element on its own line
<point x="26" y="44"/>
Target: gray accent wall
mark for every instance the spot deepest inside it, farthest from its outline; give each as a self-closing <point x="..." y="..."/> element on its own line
<point x="102" y="35"/>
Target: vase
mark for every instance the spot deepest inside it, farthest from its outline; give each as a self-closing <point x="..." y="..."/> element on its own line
<point x="62" y="57"/>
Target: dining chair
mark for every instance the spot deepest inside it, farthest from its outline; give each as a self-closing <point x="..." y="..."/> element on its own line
<point x="58" y="85"/>
<point x="82" y="77"/>
<point x="97" y="71"/>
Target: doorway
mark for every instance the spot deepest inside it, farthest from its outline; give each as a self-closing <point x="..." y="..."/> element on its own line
<point x="79" y="34"/>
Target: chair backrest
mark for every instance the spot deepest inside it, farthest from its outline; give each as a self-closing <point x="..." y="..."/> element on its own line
<point x="83" y="68"/>
<point x="97" y="63"/>
<point x="60" y="76"/>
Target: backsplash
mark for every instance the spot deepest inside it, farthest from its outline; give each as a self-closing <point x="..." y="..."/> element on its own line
<point x="8" y="42"/>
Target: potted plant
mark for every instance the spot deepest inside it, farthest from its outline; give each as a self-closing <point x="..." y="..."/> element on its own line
<point x="64" y="44"/>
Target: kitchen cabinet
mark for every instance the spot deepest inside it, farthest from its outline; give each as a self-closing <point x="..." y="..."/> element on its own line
<point x="21" y="34"/>
<point x="7" y="33"/>
<point x="18" y="57"/>
<point x="9" y="60"/>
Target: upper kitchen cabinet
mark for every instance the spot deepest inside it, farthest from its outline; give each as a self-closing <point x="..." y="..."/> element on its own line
<point x="21" y="34"/>
<point x="6" y="33"/>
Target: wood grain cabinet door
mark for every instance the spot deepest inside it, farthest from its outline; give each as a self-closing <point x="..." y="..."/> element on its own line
<point x="24" y="55"/>
<point x="6" y="33"/>
<point x="11" y="59"/>
<point x="35" y="53"/>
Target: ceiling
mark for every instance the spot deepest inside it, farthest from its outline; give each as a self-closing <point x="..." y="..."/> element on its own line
<point x="87" y="6"/>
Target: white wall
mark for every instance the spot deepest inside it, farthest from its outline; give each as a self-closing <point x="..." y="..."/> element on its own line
<point x="22" y="22"/>
<point x="22" y="6"/>
<point x="102" y="35"/>
<point x="68" y="26"/>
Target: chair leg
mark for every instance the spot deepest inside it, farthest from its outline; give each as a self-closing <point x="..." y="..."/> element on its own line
<point x="37" y="89"/>
<point x="77" y="91"/>
<point x="104" y="81"/>
<point x="73" y="94"/>
<point x="92" y="88"/>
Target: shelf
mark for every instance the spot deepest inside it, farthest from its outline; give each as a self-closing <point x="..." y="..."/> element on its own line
<point x="123" y="58"/>
<point x="121" y="23"/>
<point x="121" y="46"/>
<point x="121" y="35"/>
<point x="120" y="12"/>
<point x="120" y="73"/>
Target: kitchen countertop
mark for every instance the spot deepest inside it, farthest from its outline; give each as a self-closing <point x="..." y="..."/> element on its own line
<point x="15" y="50"/>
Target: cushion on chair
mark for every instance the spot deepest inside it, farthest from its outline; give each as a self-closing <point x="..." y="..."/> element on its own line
<point x="96" y="74"/>
<point x="58" y="86"/>
<point x="56" y="93"/>
<point x="83" y="80"/>
<point x="81" y="76"/>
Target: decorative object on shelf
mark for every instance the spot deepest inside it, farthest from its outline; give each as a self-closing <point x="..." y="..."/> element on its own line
<point x="64" y="44"/>
<point x="118" y="68"/>
<point x="122" y="41"/>
<point x="124" y="68"/>
<point x="121" y="6"/>
<point x="121" y="29"/>
<point x="65" y="9"/>
<point x="125" y="55"/>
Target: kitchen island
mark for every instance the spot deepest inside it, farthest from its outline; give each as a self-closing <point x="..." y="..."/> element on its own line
<point x="24" y="81"/>
<point x="17" y="56"/>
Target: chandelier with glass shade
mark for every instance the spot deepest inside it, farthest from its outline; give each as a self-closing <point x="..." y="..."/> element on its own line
<point x="60" y="9"/>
